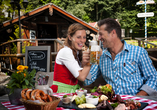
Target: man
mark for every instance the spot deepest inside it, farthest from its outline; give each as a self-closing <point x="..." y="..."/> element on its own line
<point x="126" y="67"/>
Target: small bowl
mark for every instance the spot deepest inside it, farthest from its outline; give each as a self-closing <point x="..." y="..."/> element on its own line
<point x="66" y="100"/>
<point x="81" y="92"/>
<point x="91" y="100"/>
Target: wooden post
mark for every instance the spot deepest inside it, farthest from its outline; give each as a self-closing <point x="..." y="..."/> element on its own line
<point x="143" y="44"/>
<point x="3" y="53"/>
<point x="0" y="66"/>
<point x="58" y="45"/>
<point x="36" y="41"/>
<point x="55" y="46"/>
<point x="9" y="52"/>
<point x="18" y="52"/>
<point x="139" y="43"/>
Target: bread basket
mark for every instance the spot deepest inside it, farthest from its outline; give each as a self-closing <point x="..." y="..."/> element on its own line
<point x="41" y="106"/>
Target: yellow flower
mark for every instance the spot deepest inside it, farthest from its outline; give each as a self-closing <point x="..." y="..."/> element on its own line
<point x="20" y="68"/>
<point x="24" y="74"/>
<point x="22" y="78"/>
<point x="26" y="67"/>
<point x="18" y="71"/>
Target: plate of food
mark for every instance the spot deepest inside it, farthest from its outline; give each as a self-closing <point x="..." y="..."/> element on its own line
<point x="100" y="98"/>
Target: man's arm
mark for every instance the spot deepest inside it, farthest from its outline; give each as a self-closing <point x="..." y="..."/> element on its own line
<point x="142" y="93"/>
<point x="149" y="74"/>
<point x="93" y="75"/>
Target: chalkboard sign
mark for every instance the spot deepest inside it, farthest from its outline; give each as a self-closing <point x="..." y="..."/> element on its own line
<point x="38" y="58"/>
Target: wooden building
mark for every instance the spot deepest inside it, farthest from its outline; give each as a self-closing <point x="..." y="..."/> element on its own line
<point x="46" y="22"/>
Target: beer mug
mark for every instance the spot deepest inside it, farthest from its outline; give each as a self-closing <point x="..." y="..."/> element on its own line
<point x="94" y="53"/>
<point x="45" y="88"/>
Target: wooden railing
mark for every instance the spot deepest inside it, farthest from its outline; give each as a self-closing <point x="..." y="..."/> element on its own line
<point x="19" y="56"/>
<point x="143" y="43"/>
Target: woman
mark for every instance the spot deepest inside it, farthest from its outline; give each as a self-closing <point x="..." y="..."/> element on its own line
<point x="68" y="70"/>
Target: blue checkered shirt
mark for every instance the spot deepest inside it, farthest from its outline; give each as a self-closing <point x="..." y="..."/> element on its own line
<point x="130" y="72"/>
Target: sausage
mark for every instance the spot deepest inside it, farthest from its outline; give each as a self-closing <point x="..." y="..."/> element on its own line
<point x="118" y="98"/>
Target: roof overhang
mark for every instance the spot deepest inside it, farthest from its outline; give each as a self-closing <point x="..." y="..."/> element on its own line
<point x="6" y="24"/>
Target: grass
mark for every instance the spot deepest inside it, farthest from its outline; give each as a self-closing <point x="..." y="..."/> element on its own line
<point x="132" y="42"/>
<point x="135" y="42"/>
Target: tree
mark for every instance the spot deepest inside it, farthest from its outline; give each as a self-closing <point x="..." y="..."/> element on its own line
<point x="4" y="8"/>
<point x="93" y="10"/>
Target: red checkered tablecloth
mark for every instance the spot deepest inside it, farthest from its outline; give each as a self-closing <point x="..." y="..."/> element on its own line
<point x="152" y="105"/>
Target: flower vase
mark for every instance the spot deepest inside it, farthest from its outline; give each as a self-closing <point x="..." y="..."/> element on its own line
<point x="15" y="97"/>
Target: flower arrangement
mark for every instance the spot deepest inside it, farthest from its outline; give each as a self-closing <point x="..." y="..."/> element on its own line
<point x="21" y="79"/>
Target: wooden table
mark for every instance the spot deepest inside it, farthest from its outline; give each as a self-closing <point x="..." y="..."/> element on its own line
<point x="4" y="98"/>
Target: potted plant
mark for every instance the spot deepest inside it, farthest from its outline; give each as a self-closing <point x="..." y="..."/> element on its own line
<point x="19" y="80"/>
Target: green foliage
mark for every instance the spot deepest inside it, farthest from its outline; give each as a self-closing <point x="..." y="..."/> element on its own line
<point x="14" y="46"/>
<point x="4" y="7"/>
<point x="25" y="44"/>
<point x="127" y="19"/>
<point x="21" y="79"/>
<point x="93" y="10"/>
<point x="16" y="33"/>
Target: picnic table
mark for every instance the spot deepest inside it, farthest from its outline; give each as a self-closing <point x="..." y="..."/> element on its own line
<point x="151" y="100"/>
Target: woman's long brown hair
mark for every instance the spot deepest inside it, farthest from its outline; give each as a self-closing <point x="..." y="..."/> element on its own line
<point x="71" y="31"/>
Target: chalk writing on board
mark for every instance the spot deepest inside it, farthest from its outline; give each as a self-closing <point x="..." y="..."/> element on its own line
<point x="33" y="65"/>
<point x="38" y="58"/>
<point x="36" y="55"/>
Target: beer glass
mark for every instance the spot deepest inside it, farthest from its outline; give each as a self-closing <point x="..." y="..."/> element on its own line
<point x="94" y="53"/>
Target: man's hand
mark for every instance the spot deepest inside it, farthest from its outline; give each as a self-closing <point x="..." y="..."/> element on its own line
<point x="85" y="58"/>
<point x="142" y="93"/>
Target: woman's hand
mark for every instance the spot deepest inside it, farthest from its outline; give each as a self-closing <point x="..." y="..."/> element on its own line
<point x="85" y="58"/>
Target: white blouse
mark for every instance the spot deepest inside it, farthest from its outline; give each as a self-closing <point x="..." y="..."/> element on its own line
<point x="65" y="57"/>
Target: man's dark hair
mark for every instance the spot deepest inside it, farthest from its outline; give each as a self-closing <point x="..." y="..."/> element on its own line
<point x="110" y="25"/>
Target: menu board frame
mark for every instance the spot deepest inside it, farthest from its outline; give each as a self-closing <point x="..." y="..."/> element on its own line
<point x="38" y="50"/>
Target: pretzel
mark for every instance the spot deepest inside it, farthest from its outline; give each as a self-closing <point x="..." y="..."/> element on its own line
<point x="47" y="99"/>
<point x="23" y="94"/>
<point x="33" y="94"/>
<point x="39" y="94"/>
<point x="36" y="94"/>
<point x="28" y="94"/>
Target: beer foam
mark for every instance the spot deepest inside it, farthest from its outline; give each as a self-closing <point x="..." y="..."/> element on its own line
<point x="95" y="48"/>
<point x="93" y="43"/>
